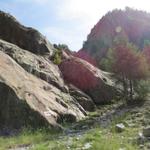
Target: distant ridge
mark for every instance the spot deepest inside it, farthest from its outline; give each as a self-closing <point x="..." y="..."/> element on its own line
<point x="129" y="23"/>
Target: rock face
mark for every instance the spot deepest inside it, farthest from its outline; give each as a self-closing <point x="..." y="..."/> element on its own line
<point x="27" y="38"/>
<point x="83" y="99"/>
<point x="43" y="98"/>
<point x="16" y="113"/>
<point x="32" y="90"/>
<point x="37" y="65"/>
<point x="96" y="83"/>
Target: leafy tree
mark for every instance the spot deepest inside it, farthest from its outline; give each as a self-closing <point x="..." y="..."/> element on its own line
<point x="142" y="88"/>
<point x="61" y="46"/>
<point x="106" y="62"/>
<point x="146" y="52"/>
<point x="130" y="64"/>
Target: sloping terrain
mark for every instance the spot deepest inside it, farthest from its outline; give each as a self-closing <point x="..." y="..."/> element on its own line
<point x="36" y="93"/>
<point x="96" y="131"/>
<point x="32" y="83"/>
<point x="27" y="38"/>
<point x="130" y="24"/>
<point x="47" y="100"/>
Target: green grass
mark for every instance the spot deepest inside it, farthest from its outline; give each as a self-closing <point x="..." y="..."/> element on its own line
<point x="26" y="137"/>
<point x="99" y="139"/>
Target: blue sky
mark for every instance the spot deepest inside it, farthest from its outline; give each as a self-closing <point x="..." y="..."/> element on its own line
<point x="65" y="21"/>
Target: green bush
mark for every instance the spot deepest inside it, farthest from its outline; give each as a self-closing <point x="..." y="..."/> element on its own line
<point x="57" y="57"/>
<point x="142" y="89"/>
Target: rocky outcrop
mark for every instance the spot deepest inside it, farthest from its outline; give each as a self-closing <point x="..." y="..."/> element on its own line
<point x="27" y="38"/>
<point x="37" y="65"/>
<point x="16" y="113"/>
<point x="83" y="99"/>
<point x="99" y="85"/>
<point x="47" y="101"/>
<point x="32" y="89"/>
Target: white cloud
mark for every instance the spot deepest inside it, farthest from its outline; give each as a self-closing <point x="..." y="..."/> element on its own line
<point x="81" y="15"/>
<point x="40" y="2"/>
<point x="86" y="13"/>
<point x="64" y="36"/>
<point x="92" y="10"/>
<point x="92" y="6"/>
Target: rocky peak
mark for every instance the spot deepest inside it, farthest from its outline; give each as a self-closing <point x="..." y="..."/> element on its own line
<point x="129" y="23"/>
<point x="24" y="37"/>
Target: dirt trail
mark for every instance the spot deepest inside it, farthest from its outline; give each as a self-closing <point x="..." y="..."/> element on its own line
<point x="108" y="117"/>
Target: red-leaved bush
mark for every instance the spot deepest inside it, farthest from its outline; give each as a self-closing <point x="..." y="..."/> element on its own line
<point x="128" y="63"/>
<point x="146" y="52"/>
<point x="131" y="66"/>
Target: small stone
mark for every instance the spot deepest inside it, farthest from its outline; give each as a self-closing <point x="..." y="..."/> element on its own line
<point x="146" y="131"/>
<point x="131" y="125"/>
<point x="69" y="142"/>
<point x="141" y="135"/>
<point x="141" y="138"/>
<point x="122" y="148"/>
<point x="85" y="127"/>
<point x="141" y="146"/>
<point x="120" y="127"/>
<point x="87" y="146"/>
<point x="77" y="138"/>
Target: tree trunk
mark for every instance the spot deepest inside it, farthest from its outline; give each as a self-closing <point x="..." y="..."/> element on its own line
<point x="125" y="88"/>
<point x="131" y="90"/>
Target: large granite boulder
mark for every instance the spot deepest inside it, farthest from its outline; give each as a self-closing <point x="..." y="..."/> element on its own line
<point x="22" y="93"/>
<point x="27" y="38"/>
<point x="99" y="85"/>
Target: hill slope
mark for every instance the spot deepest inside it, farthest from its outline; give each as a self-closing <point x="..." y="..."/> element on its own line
<point x="32" y="87"/>
<point x="129" y="23"/>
